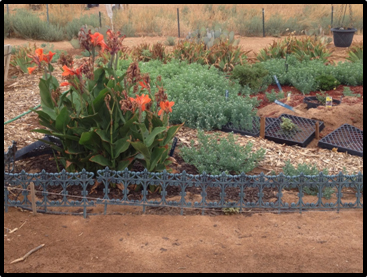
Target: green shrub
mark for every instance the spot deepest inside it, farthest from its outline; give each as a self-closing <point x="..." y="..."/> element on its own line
<point x="128" y="30"/>
<point x="171" y="41"/>
<point x="7" y="25"/>
<point x="215" y="155"/>
<point x="347" y="92"/>
<point x="308" y="169"/>
<point x="274" y="26"/>
<point x="199" y="94"/>
<point x="302" y="74"/>
<point x="272" y="96"/>
<point x="30" y="26"/>
<point x="321" y="97"/>
<point x="327" y="82"/>
<point x="252" y="76"/>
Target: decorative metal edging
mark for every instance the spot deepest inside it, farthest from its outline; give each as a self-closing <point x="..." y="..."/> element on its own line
<point x="183" y="180"/>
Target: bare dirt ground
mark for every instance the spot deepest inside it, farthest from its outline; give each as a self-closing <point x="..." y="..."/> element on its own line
<point x="325" y="242"/>
<point x="251" y="242"/>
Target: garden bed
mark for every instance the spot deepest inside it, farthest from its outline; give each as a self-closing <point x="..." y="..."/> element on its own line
<point x="312" y="102"/>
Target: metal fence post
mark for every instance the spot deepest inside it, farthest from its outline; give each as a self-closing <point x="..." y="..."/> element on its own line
<point x="48" y="20"/>
<point x="332" y="15"/>
<point x="178" y="21"/>
<point x="100" y="19"/>
<point x="263" y="22"/>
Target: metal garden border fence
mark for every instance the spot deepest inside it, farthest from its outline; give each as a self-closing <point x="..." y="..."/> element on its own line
<point x="182" y="181"/>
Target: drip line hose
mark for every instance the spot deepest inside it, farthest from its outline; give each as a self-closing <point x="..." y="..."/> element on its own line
<point x="19" y="116"/>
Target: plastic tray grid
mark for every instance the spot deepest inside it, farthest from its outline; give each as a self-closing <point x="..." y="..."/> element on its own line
<point x="346" y="138"/>
<point x="301" y="138"/>
<point x="255" y="131"/>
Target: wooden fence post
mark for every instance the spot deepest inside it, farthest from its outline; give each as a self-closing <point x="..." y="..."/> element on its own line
<point x="262" y="127"/>
<point x="7" y="54"/>
<point x="33" y="199"/>
<point x="317" y="131"/>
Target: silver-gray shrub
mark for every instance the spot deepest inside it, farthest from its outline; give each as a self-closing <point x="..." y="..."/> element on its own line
<point x="30" y="26"/>
<point x="215" y="155"/>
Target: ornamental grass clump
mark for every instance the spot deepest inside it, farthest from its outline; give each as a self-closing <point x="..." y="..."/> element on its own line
<point x="105" y="120"/>
<point x="215" y="155"/>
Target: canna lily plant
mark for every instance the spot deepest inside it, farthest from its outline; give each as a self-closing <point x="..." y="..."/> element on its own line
<point x="104" y="120"/>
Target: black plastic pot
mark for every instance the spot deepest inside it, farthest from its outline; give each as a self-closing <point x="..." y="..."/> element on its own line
<point x="343" y="38"/>
<point x="310" y="104"/>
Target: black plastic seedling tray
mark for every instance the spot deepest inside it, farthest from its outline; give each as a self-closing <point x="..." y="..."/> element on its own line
<point x="346" y="138"/>
<point x="304" y="135"/>
<point x="255" y="128"/>
<point x="308" y="100"/>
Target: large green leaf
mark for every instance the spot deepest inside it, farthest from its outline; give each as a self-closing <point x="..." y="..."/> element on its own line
<point x="120" y="146"/>
<point x="150" y="138"/>
<point x="89" y="139"/>
<point x="99" y="100"/>
<point x="124" y="164"/>
<point x="171" y="133"/>
<point x="46" y="100"/>
<point x="104" y="135"/>
<point x="99" y="159"/>
<point x="62" y="119"/>
<point x="140" y="147"/>
<point x="156" y="156"/>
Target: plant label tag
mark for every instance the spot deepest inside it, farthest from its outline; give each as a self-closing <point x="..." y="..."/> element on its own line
<point x="329" y="102"/>
<point x="226" y="94"/>
<point x="289" y="96"/>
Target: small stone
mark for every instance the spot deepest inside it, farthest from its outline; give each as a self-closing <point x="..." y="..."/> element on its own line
<point x="121" y="239"/>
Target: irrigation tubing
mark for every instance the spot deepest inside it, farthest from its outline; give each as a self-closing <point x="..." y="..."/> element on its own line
<point x="19" y="116"/>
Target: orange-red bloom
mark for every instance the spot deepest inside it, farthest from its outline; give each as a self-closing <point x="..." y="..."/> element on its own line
<point x="31" y="69"/>
<point x="141" y="101"/>
<point x="48" y="58"/>
<point x="97" y="40"/>
<point x="39" y="53"/>
<point x="70" y="72"/>
<point x="64" y="84"/>
<point x="166" y="106"/>
<point x="38" y="58"/>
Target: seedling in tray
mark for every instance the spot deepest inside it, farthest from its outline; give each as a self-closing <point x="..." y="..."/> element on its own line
<point x="300" y="135"/>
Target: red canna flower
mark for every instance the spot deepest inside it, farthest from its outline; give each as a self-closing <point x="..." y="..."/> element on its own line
<point x="39" y="53"/>
<point x="31" y="69"/>
<point x="97" y="40"/>
<point x="166" y="106"/>
<point x="143" y="84"/>
<point x="48" y="58"/>
<point x="64" y="84"/>
<point x="38" y="58"/>
<point x="141" y="101"/>
<point x="70" y="72"/>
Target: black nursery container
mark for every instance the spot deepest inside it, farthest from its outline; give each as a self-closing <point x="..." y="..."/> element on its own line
<point x="343" y="37"/>
<point x="308" y="100"/>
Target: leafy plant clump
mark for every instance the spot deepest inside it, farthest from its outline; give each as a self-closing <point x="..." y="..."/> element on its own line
<point x="355" y="53"/>
<point x="288" y="127"/>
<point x="171" y="41"/>
<point x="327" y="82"/>
<point x="256" y="77"/>
<point x="321" y="97"/>
<point x="348" y="92"/>
<point x="105" y="120"/>
<point x="308" y="169"/>
<point x="215" y="155"/>
<point x="272" y="96"/>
